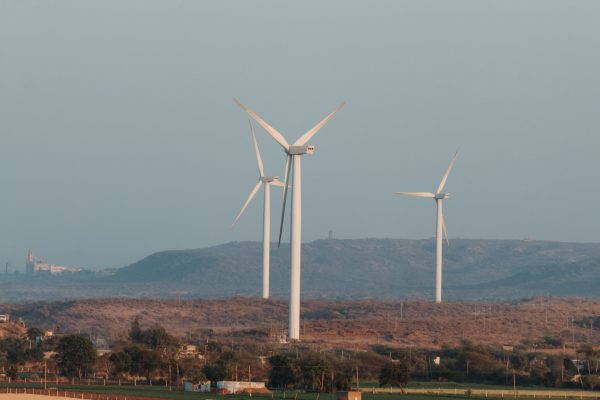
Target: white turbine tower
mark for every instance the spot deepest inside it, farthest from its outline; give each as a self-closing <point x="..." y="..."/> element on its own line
<point x="267" y="181"/>
<point x="294" y="154"/>
<point x="439" y="197"/>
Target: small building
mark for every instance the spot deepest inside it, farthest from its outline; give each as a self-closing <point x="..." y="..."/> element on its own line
<point x="4" y="318"/>
<point x="189" y="351"/>
<point x="203" y="387"/>
<point x="100" y="343"/>
<point x="241" y="386"/>
<point x="353" y="395"/>
<point x="103" y="352"/>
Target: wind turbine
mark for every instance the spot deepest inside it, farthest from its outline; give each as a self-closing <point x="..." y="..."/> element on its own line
<point x="439" y="197"/>
<point x="294" y="154"/>
<point x="267" y="181"/>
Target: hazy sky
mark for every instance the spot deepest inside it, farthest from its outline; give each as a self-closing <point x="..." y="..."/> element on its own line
<point x="119" y="137"/>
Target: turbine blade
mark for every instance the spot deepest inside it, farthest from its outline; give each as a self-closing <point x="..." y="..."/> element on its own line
<point x="270" y="130"/>
<point x="444" y="229"/>
<point x="306" y="137"/>
<point x="252" y="194"/>
<point x="285" y="173"/>
<point x="445" y="178"/>
<point x="416" y="194"/>
<point x="261" y="170"/>
<point x="290" y="162"/>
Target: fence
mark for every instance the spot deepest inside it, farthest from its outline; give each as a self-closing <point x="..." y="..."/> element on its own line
<point x="75" y="394"/>
<point x="39" y="380"/>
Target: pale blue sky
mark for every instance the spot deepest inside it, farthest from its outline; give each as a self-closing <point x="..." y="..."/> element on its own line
<point x="119" y="137"/>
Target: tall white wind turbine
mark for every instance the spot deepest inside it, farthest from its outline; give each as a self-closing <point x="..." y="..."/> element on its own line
<point x="294" y="154"/>
<point x="267" y="181"/>
<point x="439" y="197"/>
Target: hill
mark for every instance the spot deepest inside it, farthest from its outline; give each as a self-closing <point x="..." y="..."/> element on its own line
<point x="327" y="323"/>
<point x="385" y="269"/>
<point x="381" y="268"/>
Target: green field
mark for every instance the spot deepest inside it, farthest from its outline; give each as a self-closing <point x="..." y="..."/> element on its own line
<point x="163" y="392"/>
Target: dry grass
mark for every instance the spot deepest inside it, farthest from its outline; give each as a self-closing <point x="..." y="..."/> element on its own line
<point x="349" y="324"/>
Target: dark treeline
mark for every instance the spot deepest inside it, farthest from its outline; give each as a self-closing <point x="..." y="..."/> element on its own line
<point x="155" y="356"/>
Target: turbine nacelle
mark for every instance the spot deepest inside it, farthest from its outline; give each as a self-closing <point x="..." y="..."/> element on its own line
<point x="295" y="150"/>
<point x="441" y="196"/>
<point x="269" y="179"/>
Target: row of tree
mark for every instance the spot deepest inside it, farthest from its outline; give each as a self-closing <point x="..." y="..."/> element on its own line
<point x="153" y="353"/>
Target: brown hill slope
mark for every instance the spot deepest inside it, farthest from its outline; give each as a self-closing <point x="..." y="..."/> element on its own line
<point x="350" y="324"/>
<point x="385" y="269"/>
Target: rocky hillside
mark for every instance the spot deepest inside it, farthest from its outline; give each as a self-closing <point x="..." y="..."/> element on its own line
<point x="382" y="269"/>
<point x="385" y="269"/>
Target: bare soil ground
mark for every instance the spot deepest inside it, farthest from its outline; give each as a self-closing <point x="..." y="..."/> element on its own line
<point x="6" y="396"/>
<point x="327" y="324"/>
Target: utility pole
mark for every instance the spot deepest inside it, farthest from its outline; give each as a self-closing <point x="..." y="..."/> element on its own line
<point x="169" y="377"/>
<point x="45" y="374"/>
<point x="357" y="382"/>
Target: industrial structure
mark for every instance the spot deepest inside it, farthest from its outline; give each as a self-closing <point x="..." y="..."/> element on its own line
<point x="33" y="265"/>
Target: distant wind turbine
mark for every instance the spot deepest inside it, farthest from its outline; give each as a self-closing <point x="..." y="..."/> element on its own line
<point x="294" y="154"/>
<point x="439" y="197"/>
<point x="267" y="181"/>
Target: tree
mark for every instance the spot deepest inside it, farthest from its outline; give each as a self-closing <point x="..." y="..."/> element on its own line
<point x="143" y="362"/>
<point x="316" y="372"/>
<point x="35" y="353"/>
<point x="215" y="372"/>
<point x="121" y="363"/>
<point x="190" y="369"/>
<point x="394" y="374"/>
<point x="33" y="333"/>
<point x="75" y="355"/>
<point x="15" y="350"/>
<point x="284" y="372"/>
<point x="343" y="380"/>
<point x="135" y="332"/>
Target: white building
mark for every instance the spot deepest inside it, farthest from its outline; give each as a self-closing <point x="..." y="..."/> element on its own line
<point x="238" y="386"/>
